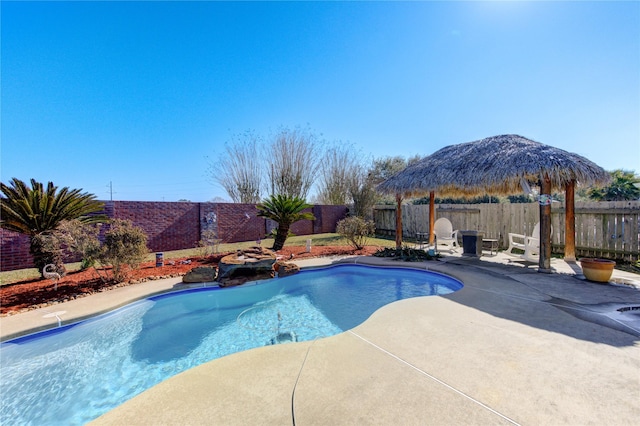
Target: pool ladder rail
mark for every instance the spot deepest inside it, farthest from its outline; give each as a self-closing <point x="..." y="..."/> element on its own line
<point x="288" y="336"/>
<point x="280" y="336"/>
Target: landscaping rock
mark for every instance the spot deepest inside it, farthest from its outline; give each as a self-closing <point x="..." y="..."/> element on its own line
<point x="200" y="274"/>
<point x="285" y="269"/>
<point x="246" y="265"/>
<point x="236" y="281"/>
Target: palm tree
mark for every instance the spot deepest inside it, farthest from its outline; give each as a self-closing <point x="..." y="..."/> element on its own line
<point x="285" y="210"/>
<point x="37" y="211"/>
<point x="625" y="185"/>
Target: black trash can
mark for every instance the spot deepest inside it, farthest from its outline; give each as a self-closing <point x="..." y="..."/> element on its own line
<point x="472" y="243"/>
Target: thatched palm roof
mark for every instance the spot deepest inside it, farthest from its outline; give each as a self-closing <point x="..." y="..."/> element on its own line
<point x="497" y="165"/>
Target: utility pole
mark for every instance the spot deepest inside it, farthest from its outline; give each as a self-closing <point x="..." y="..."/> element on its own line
<point x="110" y="191"/>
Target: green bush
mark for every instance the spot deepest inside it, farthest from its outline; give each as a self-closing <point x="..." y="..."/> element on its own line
<point x="124" y="248"/>
<point x="356" y="230"/>
<point x="406" y="254"/>
<point x="80" y="239"/>
<point x="49" y="252"/>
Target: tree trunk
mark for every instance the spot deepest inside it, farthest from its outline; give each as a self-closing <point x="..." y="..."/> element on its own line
<point x="570" y="223"/>
<point x="398" y="221"/>
<point x="281" y="236"/>
<point x="544" y="263"/>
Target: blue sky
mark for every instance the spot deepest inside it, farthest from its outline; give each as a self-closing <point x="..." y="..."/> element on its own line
<point x="145" y="94"/>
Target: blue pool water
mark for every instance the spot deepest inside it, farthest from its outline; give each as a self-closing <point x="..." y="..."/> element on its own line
<point x="73" y="374"/>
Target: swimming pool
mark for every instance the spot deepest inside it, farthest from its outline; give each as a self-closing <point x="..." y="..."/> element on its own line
<point x="75" y="373"/>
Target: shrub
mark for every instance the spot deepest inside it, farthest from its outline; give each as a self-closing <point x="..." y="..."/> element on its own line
<point x="406" y="254"/>
<point x="124" y="248"/>
<point x="50" y="252"/>
<point x="80" y="239"/>
<point x="356" y="230"/>
<point x="209" y="243"/>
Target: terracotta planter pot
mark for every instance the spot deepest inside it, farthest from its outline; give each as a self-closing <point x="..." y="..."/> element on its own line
<point x="598" y="270"/>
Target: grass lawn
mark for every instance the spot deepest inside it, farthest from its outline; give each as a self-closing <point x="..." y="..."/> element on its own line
<point x="9" y="277"/>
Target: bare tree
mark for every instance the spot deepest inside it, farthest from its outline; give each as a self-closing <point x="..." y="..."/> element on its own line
<point x="337" y="168"/>
<point x="414" y="159"/>
<point x="385" y="167"/>
<point x="362" y="188"/>
<point x="294" y="159"/>
<point x="239" y="170"/>
<point x="363" y="182"/>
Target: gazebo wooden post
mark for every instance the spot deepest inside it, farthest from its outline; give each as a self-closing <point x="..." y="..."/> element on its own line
<point x="432" y="216"/>
<point x="544" y="264"/>
<point x="398" y="221"/>
<point x="570" y="222"/>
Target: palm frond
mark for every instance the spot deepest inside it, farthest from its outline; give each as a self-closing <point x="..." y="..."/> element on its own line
<point x="35" y="210"/>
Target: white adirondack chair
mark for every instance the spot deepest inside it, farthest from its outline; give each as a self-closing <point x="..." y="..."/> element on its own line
<point x="445" y="235"/>
<point x="530" y="244"/>
<point x="517" y="241"/>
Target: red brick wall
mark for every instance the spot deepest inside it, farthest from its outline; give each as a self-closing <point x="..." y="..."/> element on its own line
<point x="169" y="226"/>
<point x="303" y="227"/>
<point x="239" y="222"/>
<point x="14" y="251"/>
<point x="327" y="217"/>
<point x="175" y="226"/>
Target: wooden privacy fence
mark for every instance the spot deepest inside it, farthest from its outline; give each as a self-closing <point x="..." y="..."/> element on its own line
<point x="604" y="229"/>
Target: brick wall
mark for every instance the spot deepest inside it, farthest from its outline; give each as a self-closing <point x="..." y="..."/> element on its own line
<point x="179" y="225"/>
<point x="304" y="227"/>
<point x="14" y="251"/>
<point x="239" y="222"/>
<point x="169" y="226"/>
<point x="327" y="217"/>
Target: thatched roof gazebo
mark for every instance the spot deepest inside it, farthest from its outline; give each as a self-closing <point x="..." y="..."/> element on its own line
<point x="505" y="165"/>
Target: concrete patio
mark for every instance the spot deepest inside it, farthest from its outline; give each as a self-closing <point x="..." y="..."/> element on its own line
<point x="513" y="346"/>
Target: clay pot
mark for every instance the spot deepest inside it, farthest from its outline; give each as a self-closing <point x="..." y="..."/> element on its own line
<point x="598" y="270"/>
